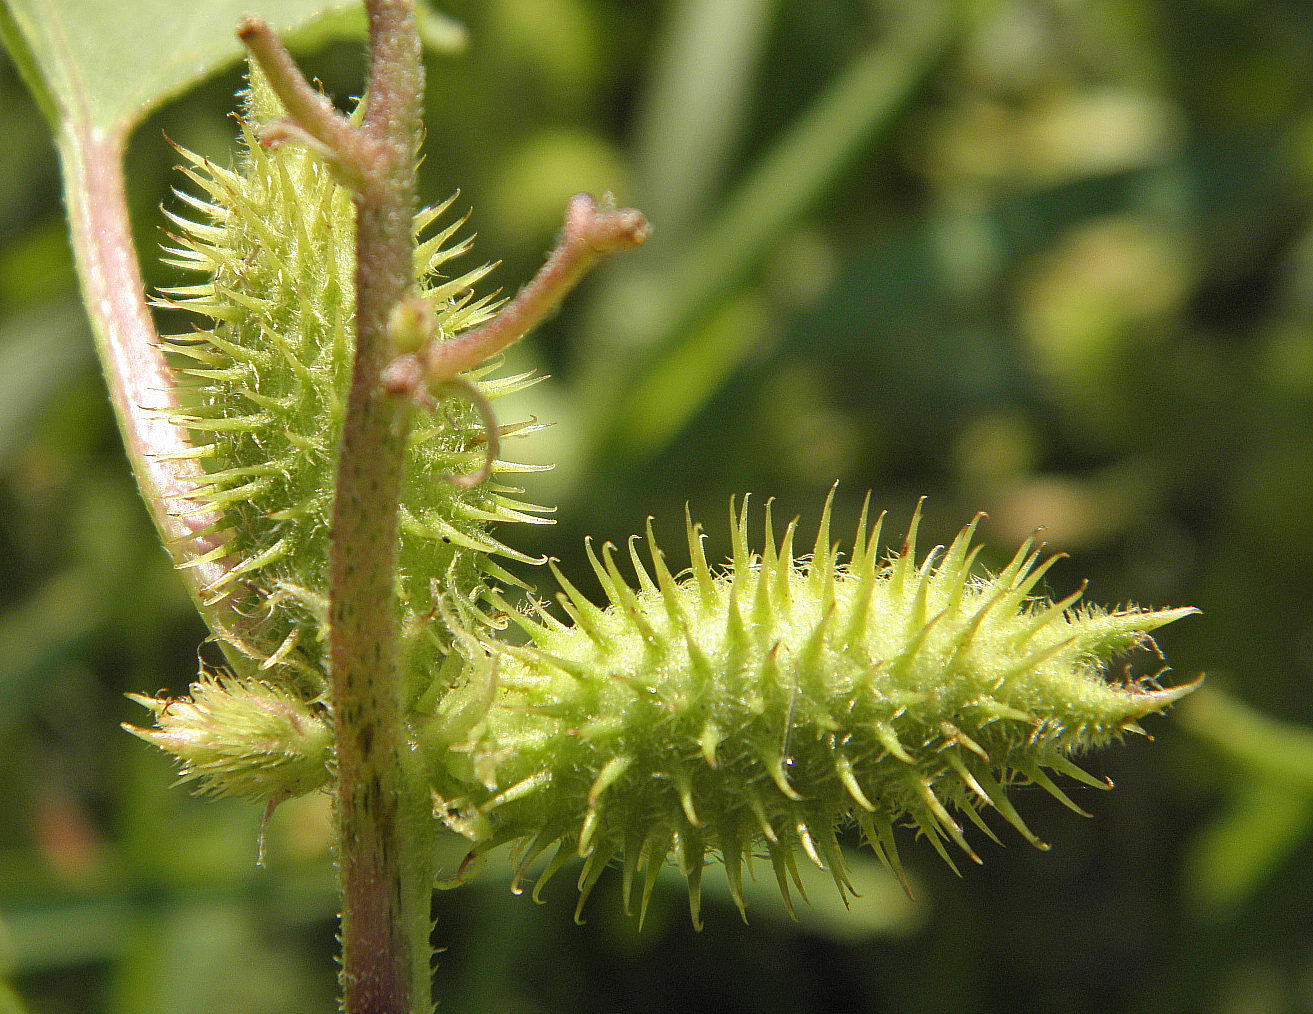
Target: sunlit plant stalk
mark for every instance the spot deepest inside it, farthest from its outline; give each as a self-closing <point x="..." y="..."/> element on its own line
<point x="386" y="876"/>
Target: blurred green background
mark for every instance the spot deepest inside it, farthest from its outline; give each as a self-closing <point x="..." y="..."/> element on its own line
<point x="1049" y="259"/>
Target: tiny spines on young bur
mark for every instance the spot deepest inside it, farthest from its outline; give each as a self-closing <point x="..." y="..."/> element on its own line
<point x="264" y="384"/>
<point x="766" y="705"/>
<point x="242" y="737"/>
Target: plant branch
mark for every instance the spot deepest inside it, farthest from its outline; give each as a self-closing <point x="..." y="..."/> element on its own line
<point x="141" y="384"/>
<point x="308" y="110"/>
<point x="590" y="233"/>
<point x="386" y="879"/>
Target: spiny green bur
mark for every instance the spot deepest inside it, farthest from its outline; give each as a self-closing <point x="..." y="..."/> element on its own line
<point x="236" y="737"/>
<point x="726" y="713"/>
<point x="764" y="706"/>
<point x="265" y="384"/>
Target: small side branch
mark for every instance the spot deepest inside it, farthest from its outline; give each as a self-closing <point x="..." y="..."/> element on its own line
<point x="311" y="118"/>
<point x="590" y="233"/>
<point x="427" y="370"/>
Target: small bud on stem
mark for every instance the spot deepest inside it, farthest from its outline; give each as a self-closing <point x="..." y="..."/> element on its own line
<point x="411" y="324"/>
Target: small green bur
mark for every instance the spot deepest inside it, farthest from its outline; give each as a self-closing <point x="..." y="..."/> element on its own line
<point x="264" y="385"/>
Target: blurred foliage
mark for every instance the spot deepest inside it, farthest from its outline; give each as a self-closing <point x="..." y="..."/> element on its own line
<point x="1049" y="259"/>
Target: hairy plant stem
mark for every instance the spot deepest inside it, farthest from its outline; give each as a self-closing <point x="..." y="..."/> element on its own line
<point x="141" y="385"/>
<point x="385" y="878"/>
<point x="384" y="817"/>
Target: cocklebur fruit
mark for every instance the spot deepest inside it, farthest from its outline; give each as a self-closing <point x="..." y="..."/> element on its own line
<point x="762" y="707"/>
<point x="264" y="385"/>
<point x="242" y="738"/>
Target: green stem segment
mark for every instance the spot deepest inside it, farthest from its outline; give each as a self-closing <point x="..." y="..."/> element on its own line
<point x="386" y="881"/>
<point x="141" y="385"/>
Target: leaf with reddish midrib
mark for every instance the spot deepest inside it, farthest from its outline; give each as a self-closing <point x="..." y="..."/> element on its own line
<point x="96" y="68"/>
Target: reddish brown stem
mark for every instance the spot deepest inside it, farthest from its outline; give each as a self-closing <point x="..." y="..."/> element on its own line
<point x="385" y="883"/>
<point x="141" y="385"/>
<point x="381" y="971"/>
<point x="308" y="110"/>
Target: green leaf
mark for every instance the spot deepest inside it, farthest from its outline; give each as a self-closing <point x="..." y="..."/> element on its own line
<point x="106" y="63"/>
<point x="1245" y="845"/>
<point x="1278" y="751"/>
<point x="697" y="106"/>
<point x="9" y="1001"/>
<point x="96" y="67"/>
